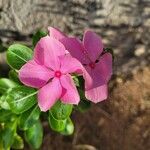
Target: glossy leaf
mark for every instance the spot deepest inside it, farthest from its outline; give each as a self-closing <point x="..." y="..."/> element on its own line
<point x="69" y="128"/>
<point x="6" y="115"/>
<point x="18" y="55"/>
<point x="17" y="142"/>
<point x="13" y="75"/>
<point x="61" y="111"/>
<point x="5" y="84"/>
<point x="34" y="135"/>
<point x="8" y="135"/>
<point x="37" y="36"/>
<point x="56" y="125"/>
<point x="21" y="98"/>
<point x="29" y="118"/>
<point x="76" y="81"/>
<point x="3" y="103"/>
<point x="1" y="141"/>
<point x="83" y="106"/>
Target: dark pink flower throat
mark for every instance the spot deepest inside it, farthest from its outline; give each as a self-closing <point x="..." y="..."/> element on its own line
<point x="57" y="74"/>
<point x="92" y="65"/>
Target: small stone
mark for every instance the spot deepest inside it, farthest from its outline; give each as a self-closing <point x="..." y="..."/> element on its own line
<point x="140" y="50"/>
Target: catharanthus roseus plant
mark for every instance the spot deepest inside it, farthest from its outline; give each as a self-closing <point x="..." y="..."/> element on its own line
<point x="47" y="82"/>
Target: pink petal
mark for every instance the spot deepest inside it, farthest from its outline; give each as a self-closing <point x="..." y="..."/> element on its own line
<point x="49" y="94"/>
<point x="102" y="72"/>
<point x="93" y="44"/>
<point x="105" y="66"/>
<point x="87" y="78"/>
<point x="56" y="33"/>
<point x="75" y="48"/>
<point x="47" y="51"/>
<point x="70" y="64"/>
<point x="69" y="93"/>
<point x="97" y="94"/>
<point x="34" y="75"/>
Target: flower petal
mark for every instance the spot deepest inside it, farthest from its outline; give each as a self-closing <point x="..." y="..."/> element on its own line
<point x="47" y="51"/>
<point x="97" y="94"/>
<point x="34" y="75"/>
<point x="49" y="94"/>
<point x="105" y="66"/>
<point x="70" y="64"/>
<point x="93" y="44"/>
<point x="56" y="33"/>
<point x="69" y="93"/>
<point x="75" y="48"/>
<point x="102" y="72"/>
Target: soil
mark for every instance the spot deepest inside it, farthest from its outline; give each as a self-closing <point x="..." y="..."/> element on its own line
<point x="119" y="123"/>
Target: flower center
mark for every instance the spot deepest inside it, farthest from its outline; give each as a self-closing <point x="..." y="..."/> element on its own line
<point x="57" y="74"/>
<point x="92" y="65"/>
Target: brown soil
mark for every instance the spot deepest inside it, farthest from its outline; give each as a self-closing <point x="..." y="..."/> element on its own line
<point x="120" y="123"/>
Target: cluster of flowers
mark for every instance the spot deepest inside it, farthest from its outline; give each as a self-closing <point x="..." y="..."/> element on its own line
<point x="57" y="57"/>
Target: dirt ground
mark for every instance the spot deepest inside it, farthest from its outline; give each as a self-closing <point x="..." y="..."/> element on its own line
<point x="119" y="123"/>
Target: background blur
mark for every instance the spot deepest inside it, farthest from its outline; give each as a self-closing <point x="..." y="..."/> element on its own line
<point x="123" y="121"/>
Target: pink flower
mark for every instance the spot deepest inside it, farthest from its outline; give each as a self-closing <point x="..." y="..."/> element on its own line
<point x="89" y="53"/>
<point x="49" y="71"/>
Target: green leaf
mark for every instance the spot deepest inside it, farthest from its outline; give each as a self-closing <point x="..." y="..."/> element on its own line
<point x="37" y="36"/>
<point x="13" y="75"/>
<point x="3" y="103"/>
<point x="81" y="82"/>
<point x="8" y="135"/>
<point x="76" y="81"/>
<point x="18" y="142"/>
<point x="83" y="106"/>
<point x="5" y="84"/>
<point x="21" y="98"/>
<point x="18" y="55"/>
<point x="56" y="125"/>
<point x="1" y="141"/>
<point x="29" y="118"/>
<point x="61" y="111"/>
<point x="6" y="115"/>
<point x="69" y="128"/>
<point x="34" y="135"/>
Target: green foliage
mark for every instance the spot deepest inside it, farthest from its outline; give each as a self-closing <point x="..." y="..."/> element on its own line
<point x="3" y="102"/>
<point x="55" y="124"/>
<point x="19" y="112"/>
<point x="17" y="142"/>
<point x="37" y="36"/>
<point x="21" y="98"/>
<point x="5" y="84"/>
<point x="18" y="55"/>
<point x="6" y="115"/>
<point x="29" y="118"/>
<point x="69" y="127"/>
<point x="34" y="135"/>
<point x="8" y="134"/>
<point x="13" y="75"/>
<point x="84" y="104"/>
<point x="61" y="111"/>
<point x="58" y="116"/>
